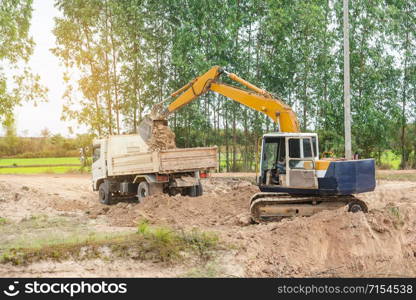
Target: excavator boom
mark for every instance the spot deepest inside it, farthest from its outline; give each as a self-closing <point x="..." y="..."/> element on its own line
<point x="256" y="99"/>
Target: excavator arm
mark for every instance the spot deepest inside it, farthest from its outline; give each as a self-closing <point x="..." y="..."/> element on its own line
<point x="256" y="99"/>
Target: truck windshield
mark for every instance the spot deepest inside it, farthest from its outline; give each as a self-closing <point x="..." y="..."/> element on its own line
<point x="96" y="154"/>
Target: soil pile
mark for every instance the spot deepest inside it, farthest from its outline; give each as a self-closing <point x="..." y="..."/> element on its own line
<point x="331" y="243"/>
<point x="162" y="137"/>
<point x="335" y="243"/>
<point x="24" y="196"/>
<point x="223" y="203"/>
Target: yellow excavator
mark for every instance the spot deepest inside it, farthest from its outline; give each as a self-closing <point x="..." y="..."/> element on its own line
<point x="293" y="180"/>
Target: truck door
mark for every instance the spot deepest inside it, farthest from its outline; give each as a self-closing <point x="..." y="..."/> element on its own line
<point x="99" y="170"/>
<point x="300" y="163"/>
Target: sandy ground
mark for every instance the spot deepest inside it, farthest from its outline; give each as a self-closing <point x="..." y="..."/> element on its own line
<point x="331" y="243"/>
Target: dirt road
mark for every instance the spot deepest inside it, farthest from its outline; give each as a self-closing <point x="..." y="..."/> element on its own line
<point x="331" y="243"/>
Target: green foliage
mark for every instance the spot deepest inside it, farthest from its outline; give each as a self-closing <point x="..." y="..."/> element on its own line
<point x="15" y="46"/>
<point x="155" y="244"/>
<point x="49" y="145"/>
<point x="389" y="159"/>
<point x="143" y="227"/>
<point x="131" y="54"/>
<point x="169" y="243"/>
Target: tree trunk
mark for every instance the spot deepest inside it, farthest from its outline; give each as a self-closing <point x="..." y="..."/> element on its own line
<point x="403" y="164"/>
<point x="115" y="77"/>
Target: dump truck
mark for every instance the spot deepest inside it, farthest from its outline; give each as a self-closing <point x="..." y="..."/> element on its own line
<point x="126" y="167"/>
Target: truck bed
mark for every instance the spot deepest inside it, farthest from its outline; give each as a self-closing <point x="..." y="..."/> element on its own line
<point x="164" y="161"/>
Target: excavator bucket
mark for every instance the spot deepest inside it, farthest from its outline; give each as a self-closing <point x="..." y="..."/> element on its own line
<point x="147" y="125"/>
<point x="157" y="116"/>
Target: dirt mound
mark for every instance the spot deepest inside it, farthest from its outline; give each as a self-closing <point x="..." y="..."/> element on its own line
<point x="162" y="137"/>
<point x="218" y="206"/>
<point x="331" y="243"/>
<point x="335" y="243"/>
<point x="24" y="196"/>
<point x="209" y="210"/>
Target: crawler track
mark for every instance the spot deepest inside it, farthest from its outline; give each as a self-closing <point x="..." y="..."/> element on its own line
<point x="267" y="207"/>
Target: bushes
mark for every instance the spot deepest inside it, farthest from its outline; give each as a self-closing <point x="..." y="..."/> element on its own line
<point x="43" y="154"/>
<point x="149" y="243"/>
<point x="168" y="244"/>
<point x="37" y="147"/>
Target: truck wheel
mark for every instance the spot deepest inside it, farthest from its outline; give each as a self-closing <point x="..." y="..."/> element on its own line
<point x="199" y="190"/>
<point x="192" y="192"/>
<point x="103" y="194"/>
<point x="195" y="191"/>
<point x="142" y="191"/>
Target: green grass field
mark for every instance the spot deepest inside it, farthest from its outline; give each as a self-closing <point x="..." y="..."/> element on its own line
<point x="387" y="158"/>
<point x="40" y="170"/>
<point x="39" y="161"/>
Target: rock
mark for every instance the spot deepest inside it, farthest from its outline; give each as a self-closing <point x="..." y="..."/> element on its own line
<point x="244" y="219"/>
<point x="17" y="196"/>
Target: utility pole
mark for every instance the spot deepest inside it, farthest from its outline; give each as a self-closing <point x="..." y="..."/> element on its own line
<point x="347" y="103"/>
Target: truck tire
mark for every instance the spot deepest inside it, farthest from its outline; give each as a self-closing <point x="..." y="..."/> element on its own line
<point x="192" y="191"/>
<point x="199" y="190"/>
<point x="195" y="191"/>
<point x="103" y="194"/>
<point x="143" y="191"/>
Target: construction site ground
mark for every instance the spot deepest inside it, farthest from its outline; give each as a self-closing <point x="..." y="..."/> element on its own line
<point x="39" y="209"/>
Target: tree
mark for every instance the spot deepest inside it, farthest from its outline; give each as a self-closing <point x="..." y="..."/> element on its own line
<point x="132" y="54"/>
<point x="15" y="46"/>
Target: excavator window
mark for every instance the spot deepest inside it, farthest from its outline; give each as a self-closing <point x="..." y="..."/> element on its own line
<point x="294" y="148"/>
<point x="270" y="153"/>
<point x="301" y="153"/>
<point x="307" y="149"/>
<point x="273" y="162"/>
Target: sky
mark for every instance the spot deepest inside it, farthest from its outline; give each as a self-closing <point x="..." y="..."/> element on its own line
<point x="30" y="119"/>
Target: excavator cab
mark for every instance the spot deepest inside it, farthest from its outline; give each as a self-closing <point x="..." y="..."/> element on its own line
<point x="289" y="161"/>
<point x="290" y="164"/>
<point x="294" y="182"/>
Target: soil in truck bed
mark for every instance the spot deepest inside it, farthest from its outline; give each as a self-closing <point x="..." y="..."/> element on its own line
<point x="162" y="138"/>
